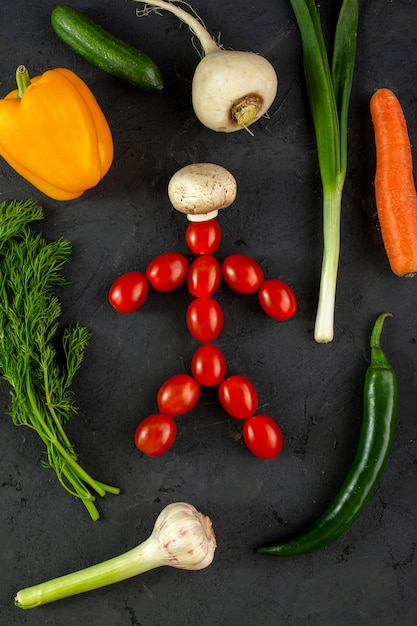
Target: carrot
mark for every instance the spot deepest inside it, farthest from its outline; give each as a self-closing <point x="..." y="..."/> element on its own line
<point x="395" y="191"/>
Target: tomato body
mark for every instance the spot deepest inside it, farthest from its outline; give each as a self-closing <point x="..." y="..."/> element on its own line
<point x="263" y="436"/>
<point x="204" y="276"/>
<point x="178" y="394"/>
<point x="208" y="365"/>
<point x="167" y="271"/>
<point x="204" y="318"/>
<point x="242" y="273"/>
<point x="155" y="434"/>
<point x="203" y="237"/>
<point x="238" y="397"/>
<point x="277" y="299"/>
<point x="128" y="292"/>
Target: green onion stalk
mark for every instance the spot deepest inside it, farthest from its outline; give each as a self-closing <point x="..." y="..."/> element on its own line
<point x="182" y="537"/>
<point x="329" y="89"/>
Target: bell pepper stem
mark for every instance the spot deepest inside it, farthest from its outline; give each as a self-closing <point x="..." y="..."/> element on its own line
<point x="22" y="80"/>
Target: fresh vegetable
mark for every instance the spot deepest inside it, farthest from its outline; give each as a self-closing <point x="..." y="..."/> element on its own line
<point x="230" y="89"/>
<point x="177" y="395"/>
<point x="182" y="538"/>
<point x="208" y="365"/>
<point x="40" y="387"/>
<point x="262" y="436"/>
<point x="204" y="318"/>
<point x="167" y="271"/>
<point x="200" y="190"/>
<point x="54" y="134"/>
<point x="242" y="273"/>
<point x="104" y="50"/>
<point x="204" y="276"/>
<point x="329" y="94"/>
<point x="238" y="397"/>
<point x="395" y="192"/>
<point x="155" y="434"/>
<point x="277" y="299"/>
<point x="375" y="442"/>
<point x="129" y="292"/>
<point x="203" y="237"/>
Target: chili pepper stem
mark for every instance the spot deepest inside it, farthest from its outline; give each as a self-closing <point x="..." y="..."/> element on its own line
<point x="22" y="80"/>
<point x="378" y="357"/>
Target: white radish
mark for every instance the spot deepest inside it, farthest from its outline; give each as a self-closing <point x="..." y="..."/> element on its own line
<point x="230" y="89"/>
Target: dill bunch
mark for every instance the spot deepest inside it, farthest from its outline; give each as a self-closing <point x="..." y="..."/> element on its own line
<point x="41" y="397"/>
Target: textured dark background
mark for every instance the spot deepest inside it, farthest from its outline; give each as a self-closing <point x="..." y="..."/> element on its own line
<point x="368" y="576"/>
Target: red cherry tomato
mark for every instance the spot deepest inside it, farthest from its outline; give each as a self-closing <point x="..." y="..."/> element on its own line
<point x="238" y="397"/>
<point x="155" y="434"/>
<point x="128" y="292"/>
<point x="203" y="237"/>
<point x="242" y="273"/>
<point x="263" y="436"/>
<point x="178" y="394"/>
<point x="277" y="299"/>
<point x="167" y="271"/>
<point x="204" y="318"/>
<point x="204" y="276"/>
<point x="208" y="365"/>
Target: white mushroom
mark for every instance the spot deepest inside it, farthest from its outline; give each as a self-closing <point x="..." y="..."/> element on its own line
<point x="200" y="190"/>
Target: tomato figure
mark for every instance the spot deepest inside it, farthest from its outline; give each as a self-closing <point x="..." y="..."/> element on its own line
<point x="208" y="365"/>
<point x="203" y="237"/>
<point x="263" y="436"/>
<point x="204" y="276"/>
<point x="238" y="397"/>
<point x="204" y="318"/>
<point x="128" y="292"/>
<point x="155" y="434"/>
<point x="167" y="271"/>
<point x="178" y="394"/>
<point x="277" y="299"/>
<point x="242" y="273"/>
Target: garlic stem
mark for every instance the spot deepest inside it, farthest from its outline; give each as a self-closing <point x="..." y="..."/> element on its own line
<point x="182" y="538"/>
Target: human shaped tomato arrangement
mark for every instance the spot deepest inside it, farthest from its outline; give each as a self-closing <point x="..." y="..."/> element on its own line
<point x="204" y="318"/>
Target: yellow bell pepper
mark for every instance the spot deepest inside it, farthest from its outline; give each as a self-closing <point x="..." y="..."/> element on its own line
<point x="54" y="133"/>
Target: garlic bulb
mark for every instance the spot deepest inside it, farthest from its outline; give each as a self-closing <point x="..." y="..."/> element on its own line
<point x="186" y="538"/>
<point x="182" y="538"/>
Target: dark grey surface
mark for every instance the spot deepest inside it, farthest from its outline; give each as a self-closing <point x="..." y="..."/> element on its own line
<point x="367" y="577"/>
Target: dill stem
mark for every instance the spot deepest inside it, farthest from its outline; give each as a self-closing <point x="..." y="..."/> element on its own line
<point x="52" y="410"/>
<point x="70" y="460"/>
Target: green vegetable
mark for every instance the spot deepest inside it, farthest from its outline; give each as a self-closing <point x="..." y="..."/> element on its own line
<point x="182" y="538"/>
<point x="329" y="94"/>
<point x="30" y="270"/>
<point x="375" y="442"/>
<point x="104" y="50"/>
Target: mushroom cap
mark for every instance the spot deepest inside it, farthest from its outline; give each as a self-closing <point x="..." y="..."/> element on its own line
<point x="200" y="190"/>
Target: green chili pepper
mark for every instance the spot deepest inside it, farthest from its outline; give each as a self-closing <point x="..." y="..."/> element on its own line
<point x="375" y="442"/>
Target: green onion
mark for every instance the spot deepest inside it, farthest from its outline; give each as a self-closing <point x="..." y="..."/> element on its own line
<point x="329" y="93"/>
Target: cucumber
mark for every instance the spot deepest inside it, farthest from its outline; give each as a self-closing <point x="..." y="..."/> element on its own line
<point x="104" y="50"/>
